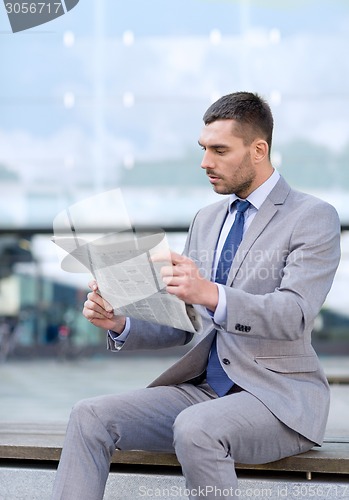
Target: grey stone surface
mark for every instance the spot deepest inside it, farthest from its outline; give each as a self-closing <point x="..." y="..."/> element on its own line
<point x="36" y="484"/>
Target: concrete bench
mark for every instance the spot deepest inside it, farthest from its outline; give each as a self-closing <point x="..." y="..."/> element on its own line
<point x="29" y="454"/>
<point x="31" y="442"/>
<point x="338" y="378"/>
<point x="43" y="443"/>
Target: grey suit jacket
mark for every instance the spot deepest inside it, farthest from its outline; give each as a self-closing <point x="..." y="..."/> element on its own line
<point x="279" y="279"/>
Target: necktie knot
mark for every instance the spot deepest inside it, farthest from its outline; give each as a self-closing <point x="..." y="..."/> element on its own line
<point x="231" y="243"/>
<point x="242" y="206"/>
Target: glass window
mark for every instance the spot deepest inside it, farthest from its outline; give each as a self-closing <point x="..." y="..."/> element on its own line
<point x="111" y="95"/>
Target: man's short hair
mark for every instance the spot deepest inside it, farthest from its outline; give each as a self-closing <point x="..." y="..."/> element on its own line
<point x="251" y="113"/>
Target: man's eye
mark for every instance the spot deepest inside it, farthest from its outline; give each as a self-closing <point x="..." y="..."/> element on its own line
<point x="220" y="151"/>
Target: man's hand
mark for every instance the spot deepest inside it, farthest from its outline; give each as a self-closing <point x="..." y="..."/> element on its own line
<point x="184" y="280"/>
<point x="100" y="313"/>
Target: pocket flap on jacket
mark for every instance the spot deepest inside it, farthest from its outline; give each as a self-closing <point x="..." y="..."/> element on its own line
<point x="289" y="364"/>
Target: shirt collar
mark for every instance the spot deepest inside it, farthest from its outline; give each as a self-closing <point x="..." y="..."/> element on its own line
<point x="258" y="196"/>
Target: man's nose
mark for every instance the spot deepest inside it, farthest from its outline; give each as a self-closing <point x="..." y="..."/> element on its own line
<point x="206" y="161"/>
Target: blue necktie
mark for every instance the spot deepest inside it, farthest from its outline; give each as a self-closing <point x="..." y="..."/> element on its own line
<point x="215" y="375"/>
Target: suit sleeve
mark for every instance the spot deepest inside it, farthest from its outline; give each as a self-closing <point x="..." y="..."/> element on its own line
<point x="144" y="335"/>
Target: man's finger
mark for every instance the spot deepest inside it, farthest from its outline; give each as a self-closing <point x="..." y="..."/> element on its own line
<point x="108" y="307"/>
<point x="98" y="299"/>
<point x="177" y="258"/>
<point x="93" y="285"/>
<point x="167" y="271"/>
<point x="161" y="256"/>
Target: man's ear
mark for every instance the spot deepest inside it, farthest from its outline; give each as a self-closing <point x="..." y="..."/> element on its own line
<point x="260" y="150"/>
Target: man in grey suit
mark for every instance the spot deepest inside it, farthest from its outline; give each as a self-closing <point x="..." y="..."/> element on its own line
<point x="251" y="390"/>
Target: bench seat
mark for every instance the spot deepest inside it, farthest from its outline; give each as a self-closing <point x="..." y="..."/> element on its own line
<point x="43" y="443"/>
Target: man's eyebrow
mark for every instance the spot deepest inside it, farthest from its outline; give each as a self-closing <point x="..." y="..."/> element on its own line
<point x="214" y="146"/>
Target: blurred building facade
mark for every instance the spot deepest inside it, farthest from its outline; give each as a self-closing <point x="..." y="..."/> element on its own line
<point x="112" y="95"/>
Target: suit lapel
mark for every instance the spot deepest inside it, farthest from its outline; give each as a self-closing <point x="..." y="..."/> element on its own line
<point x="192" y="364"/>
<point x="264" y="215"/>
<point x="212" y="232"/>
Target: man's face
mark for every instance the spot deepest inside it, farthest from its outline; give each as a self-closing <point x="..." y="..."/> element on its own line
<point x="226" y="159"/>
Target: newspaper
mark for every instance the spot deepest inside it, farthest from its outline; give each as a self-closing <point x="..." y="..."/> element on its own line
<point x="128" y="279"/>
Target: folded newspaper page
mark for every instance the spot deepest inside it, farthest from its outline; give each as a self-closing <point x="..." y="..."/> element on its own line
<point x="121" y="262"/>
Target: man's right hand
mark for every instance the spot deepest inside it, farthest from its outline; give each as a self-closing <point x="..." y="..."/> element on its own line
<point x="100" y="313"/>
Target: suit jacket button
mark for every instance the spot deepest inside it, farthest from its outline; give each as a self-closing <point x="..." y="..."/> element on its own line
<point x="225" y="361"/>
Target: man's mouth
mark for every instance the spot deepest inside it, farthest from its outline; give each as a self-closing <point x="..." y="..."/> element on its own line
<point x="213" y="178"/>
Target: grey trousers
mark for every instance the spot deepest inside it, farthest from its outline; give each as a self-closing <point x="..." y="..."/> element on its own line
<point x="208" y="434"/>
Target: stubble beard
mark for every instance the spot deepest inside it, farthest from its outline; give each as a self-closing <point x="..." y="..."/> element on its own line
<point x="241" y="184"/>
